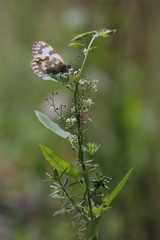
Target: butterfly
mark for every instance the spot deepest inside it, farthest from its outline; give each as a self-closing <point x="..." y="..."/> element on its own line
<point x="46" y="61"/>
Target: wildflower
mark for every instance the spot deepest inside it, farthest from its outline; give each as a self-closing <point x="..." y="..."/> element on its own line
<point x="73" y="109"/>
<point x="70" y="121"/>
<point x="81" y="81"/>
<point x="88" y="102"/>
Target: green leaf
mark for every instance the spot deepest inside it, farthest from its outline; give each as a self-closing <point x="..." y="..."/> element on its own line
<point x="92" y="48"/>
<point x="108" y="200"/>
<point x="97" y="210"/>
<point x="54" y="127"/>
<point x="61" y="211"/>
<point x="92" y="148"/>
<point x="60" y="78"/>
<point x="77" y="45"/>
<point x="82" y="35"/>
<point x="105" y="32"/>
<point x="101" y="33"/>
<point x="93" y="228"/>
<point x="59" y="163"/>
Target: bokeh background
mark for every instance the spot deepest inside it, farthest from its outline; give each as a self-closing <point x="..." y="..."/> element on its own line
<point x="126" y="114"/>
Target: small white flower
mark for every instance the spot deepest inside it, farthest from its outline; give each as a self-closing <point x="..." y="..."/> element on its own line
<point x="86" y="110"/>
<point x="73" y="119"/>
<point x="89" y="101"/>
<point x="68" y="120"/>
<point x="51" y="108"/>
<point x="73" y="109"/>
<point x="75" y="72"/>
<point x="81" y="81"/>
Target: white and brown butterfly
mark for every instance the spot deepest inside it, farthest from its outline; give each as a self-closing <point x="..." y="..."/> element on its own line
<point x="46" y="61"/>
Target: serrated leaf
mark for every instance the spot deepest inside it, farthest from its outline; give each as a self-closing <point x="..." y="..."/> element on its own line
<point x="60" y="164"/>
<point x="54" y="127"/>
<point x="82" y="35"/>
<point x="105" y="32"/>
<point x="77" y="45"/>
<point x="108" y="200"/>
<point x="93" y="229"/>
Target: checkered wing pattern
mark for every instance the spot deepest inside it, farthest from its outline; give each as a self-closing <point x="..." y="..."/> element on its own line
<point x="46" y="61"/>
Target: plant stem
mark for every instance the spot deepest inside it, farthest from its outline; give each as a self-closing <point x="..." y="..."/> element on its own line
<point x="80" y="133"/>
<point x="72" y="201"/>
<point x="86" y="55"/>
<point x="81" y="160"/>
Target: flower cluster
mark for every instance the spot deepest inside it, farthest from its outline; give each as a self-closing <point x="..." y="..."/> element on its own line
<point x="70" y="121"/>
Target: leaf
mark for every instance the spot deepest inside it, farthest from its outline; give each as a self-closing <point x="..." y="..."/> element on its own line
<point x="77" y="45"/>
<point x="61" y="211"/>
<point x="59" y="163"/>
<point x="105" y="32"/>
<point x="97" y="210"/>
<point x="82" y="35"/>
<point x="92" y="48"/>
<point x="54" y="127"/>
<point x="92" y="148"/>
<point x="108" y="200"/>
<point x="93" y="229"/>
<point x="60" y="78"/>
<point x="101" y="33"/>
<point x="55" y="195"/>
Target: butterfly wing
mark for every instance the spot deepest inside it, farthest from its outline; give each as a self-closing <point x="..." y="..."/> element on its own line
<point x="46" y="61"/>
<point x="42" y="49"/>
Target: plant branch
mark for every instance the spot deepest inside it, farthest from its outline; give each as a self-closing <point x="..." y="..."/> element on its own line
<point x="86" y="51"/>
<point x="72" y="201"/>
<point x="80" y="133"/>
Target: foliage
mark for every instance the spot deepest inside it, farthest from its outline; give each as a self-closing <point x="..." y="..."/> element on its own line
<point x="84" y="211"/>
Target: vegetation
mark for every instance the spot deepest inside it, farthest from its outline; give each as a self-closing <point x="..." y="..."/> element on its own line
<point x="85" y="208"/>
<point x="125" y="115"/>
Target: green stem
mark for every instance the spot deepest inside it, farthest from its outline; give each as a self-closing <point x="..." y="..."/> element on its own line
<point x="86" y="55"/>
<point x="80" y="133"/>
<point x="72" y="201"/>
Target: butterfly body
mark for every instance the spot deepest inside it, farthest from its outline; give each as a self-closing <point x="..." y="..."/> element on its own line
<point x="46" y="61"/>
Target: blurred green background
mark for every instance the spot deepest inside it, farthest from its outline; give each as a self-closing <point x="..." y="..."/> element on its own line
<point x="125" y="116"/>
